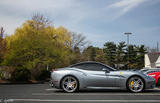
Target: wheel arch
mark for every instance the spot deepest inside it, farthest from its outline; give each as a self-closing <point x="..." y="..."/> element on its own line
<point x="135" y="76"/>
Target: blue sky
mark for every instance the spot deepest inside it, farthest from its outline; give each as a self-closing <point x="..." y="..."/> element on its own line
<point x="99" y="20"/>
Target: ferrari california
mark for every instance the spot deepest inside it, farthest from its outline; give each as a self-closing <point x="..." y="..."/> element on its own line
<point x="95" y="75"/>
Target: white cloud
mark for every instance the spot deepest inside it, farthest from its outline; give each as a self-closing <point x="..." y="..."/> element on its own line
<point x="14" y="12"/>
<point x="31" y="6"/>
<point x="124" y="6"/>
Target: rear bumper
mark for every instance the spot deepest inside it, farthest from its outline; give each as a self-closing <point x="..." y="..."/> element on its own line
<point x="55" y="79"/>
<point x="51" y="84"/>
<point x="55" y="84"/>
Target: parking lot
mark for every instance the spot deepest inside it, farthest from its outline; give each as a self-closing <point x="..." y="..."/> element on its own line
<point x="40" y="93"/>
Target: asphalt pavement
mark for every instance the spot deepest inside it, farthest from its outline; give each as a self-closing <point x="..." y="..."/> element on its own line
<point x="43" y="93"/>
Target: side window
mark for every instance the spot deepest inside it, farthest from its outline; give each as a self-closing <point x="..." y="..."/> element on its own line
<point x="80" y="66"/>
<point x="91" y="66"/>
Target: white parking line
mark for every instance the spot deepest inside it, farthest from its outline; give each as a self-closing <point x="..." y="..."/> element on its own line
<point x="51" y="100"/>
<point x="51" y="89"/>
<point x="156" y="89"/>
<point x="110" y="94"/>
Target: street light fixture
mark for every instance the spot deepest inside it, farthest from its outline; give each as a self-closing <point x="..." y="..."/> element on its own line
<point x="128" y="33"/>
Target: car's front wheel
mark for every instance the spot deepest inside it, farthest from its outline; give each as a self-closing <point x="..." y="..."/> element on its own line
<point x="135" y="84"/>
<point x="69" y="84"/>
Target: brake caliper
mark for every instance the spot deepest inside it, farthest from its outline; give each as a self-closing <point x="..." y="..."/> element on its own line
<point x="131" y="84"/>
<point x="73" y="84"/>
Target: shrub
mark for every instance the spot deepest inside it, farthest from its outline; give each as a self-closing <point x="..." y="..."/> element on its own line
<point x="44" y="75"/>
<point x="21" y="74"/>
<point x="5" y="72"/>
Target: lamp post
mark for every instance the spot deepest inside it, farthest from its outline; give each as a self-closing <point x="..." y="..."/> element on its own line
<point x="128" y="33"/>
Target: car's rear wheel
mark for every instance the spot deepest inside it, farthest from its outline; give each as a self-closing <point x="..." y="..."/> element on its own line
<point x="158" y="83"/>
<point x="135" y="84"/>
<point x="69" y="84"/>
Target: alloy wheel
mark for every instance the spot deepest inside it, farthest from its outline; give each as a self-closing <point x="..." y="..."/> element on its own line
<point x="135" y="84"/>
<point x="69" y="84"/>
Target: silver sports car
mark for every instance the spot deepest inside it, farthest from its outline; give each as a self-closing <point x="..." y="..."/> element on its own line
<point x="94" y="75"/>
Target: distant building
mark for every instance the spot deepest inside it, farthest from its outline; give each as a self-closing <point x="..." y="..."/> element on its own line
<point x="152" y="60"/>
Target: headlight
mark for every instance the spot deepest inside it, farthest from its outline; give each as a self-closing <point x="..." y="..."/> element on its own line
<point x="152" y="75"/>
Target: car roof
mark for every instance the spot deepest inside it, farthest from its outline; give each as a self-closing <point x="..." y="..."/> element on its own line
<point x="91" y="63"/>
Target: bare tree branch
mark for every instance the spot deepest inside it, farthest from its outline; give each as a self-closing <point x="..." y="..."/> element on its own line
<point x="1" y="32"/>
<point x="78" y="40"/>
<point x="40" y="21"/>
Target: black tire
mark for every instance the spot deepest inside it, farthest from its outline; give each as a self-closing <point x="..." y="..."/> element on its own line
<point x="158" y="83"/>
<point x="70" y="84"/>
<point x="135" y="84"/>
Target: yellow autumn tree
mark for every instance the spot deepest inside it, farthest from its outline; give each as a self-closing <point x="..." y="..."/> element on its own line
<point x="37" y="46"/>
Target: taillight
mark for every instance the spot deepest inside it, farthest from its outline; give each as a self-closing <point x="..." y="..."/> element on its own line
<point x="53" y="70"/>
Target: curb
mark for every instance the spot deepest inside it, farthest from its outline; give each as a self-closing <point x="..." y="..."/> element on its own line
<point x="12" y="83"/>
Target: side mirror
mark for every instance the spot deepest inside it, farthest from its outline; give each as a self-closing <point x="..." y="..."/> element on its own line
<point x="106" y="70"/>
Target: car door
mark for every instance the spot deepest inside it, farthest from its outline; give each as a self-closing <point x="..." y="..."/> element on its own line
<point x="97" y="77"/>
<point x="113" y="79"/>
